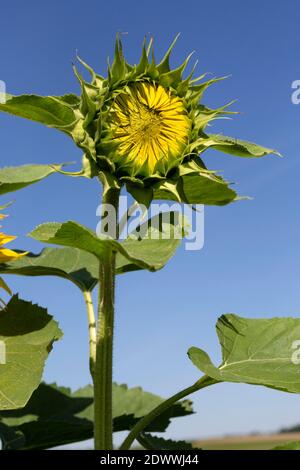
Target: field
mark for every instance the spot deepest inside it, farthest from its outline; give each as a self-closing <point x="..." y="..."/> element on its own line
<point x="250" y="442"/>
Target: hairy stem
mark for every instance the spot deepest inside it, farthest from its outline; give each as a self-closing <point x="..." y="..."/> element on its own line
<point x="103" y="421"/>
<point x="144" y="422"/>
<point x="92" y="329"/>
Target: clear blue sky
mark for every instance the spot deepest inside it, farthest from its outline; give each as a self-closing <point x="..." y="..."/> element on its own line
<point x="250" y="264"/>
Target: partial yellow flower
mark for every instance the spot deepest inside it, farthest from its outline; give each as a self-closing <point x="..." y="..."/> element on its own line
<point x="151" y="127"/>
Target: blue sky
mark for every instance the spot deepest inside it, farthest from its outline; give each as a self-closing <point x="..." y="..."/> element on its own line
<point x="250" y="264"/>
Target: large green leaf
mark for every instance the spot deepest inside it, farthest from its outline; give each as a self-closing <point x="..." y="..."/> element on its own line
<point x="75" y="265"/>
<point x="49" y="110"/>
<point x="150" y="253"/>
<point x="132" y="404"/>
<point x="154" y="242"/>
<point x="255" y="351"/>
<point x="82" y="267"/>
<point x="10" y="438"/>
<point x="14" y="178"/>
<point x="239" y="148"/>
<point x="54" y="416"/>
<point x="48" y="419"/>
<point x="28" y="332"/>
<point x="150" y="442"/>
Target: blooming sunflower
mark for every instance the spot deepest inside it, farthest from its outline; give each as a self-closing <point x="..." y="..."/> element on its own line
<point x="142" y="121"/>
<point x="144" y="126"/>
<point x="150" y="126"/>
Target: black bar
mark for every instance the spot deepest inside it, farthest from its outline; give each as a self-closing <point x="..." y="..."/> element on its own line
<point x="136" y="459"/>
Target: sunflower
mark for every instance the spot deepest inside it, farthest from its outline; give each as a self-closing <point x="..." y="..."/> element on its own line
<point x="143" y="126"/>
<point x="150" y="126"/>
<point x="5" y="253"/>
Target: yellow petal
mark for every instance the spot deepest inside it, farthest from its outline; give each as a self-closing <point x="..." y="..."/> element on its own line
<point x="9" y="255"/>
<point x="150" y="125"/>
<point x="6" y="238"/>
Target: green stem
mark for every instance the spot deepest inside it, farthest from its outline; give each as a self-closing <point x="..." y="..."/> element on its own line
<point x="146" y="420"/>
<point x="102" y="377"/>
<point x="92" y="329"/>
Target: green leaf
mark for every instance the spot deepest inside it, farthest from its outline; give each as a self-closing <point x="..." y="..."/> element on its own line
<point x="255" y="351"/>
<point x="207" y="189"/>
<point x="49" y="110"/>
<point x="55" y="416"/>
<point x="196" y="185"/>
<point x="49" y="418"/>
<point x="147" y="242"/>
<point x="27" y="332"/>
<point x="132" y="404"/>
<point x="239" y="148"/>
<point x="150" y="442"/>
<point x="69" y="99"/>
<point x="81" y="267"/>
<point x="146" y="253"/>
<point x="292" y="445"/>
<point x="14" y="178"/>
<point x="124" y="266"/>
<point x="10" y="438"/>
<point x="75" y="265"/>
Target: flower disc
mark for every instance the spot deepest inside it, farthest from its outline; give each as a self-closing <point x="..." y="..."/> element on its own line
<point x="150" y="126"/>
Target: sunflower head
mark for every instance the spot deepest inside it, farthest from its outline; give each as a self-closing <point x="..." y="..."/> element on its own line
<point x="143" y="120"/>
<point x="144" y="125"/>
<point x="150" y="128"/>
